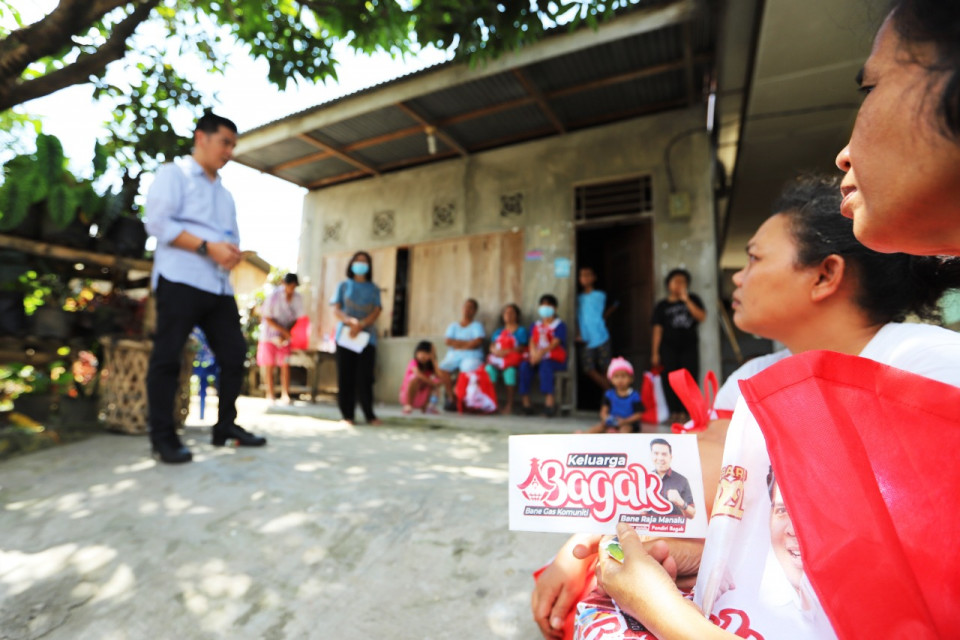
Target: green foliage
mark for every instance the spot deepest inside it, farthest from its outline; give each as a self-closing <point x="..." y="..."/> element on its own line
<point x="16" y="196"/>
<point x="61" y="205"/>
<point x="41" y="178"/>
<point x="18" y="379"/>
<point x="50" y="165"/>
<point x="41" y="289"/>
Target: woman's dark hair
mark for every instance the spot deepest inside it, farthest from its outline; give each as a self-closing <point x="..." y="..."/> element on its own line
<point x="210" y="122"/>
<point x="354" y="259"/>
<point x="516" y="310"/>
<point x="423" y="345"/>
<point x="936" y="22"/>
<point x="891" y="285"/>
<point x="676" y="272"/>
<point x="549" y="299"/>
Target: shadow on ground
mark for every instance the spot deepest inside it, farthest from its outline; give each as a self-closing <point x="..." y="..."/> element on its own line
<point x="328" y="532"/>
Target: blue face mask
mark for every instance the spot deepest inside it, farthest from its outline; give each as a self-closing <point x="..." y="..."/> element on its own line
<point x="546" y="311"/>
<point x="360" y="268"/>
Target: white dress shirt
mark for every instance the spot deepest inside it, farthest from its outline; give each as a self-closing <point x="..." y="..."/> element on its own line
<point x="183" y="198"/>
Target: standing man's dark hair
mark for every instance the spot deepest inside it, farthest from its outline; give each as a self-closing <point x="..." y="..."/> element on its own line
<point x="210" y="122"/>
<point x="194" y="219"/>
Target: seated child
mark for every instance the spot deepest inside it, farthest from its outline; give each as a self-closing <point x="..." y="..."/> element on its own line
<point x="506" y="351"/>
<point x="547" y="354"/>
<point x="421" y="380"/>
<point x="622" y="406"/>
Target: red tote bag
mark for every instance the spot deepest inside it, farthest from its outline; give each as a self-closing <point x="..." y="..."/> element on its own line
<point x="866" y="459"/>
<point x="300" y="333"/>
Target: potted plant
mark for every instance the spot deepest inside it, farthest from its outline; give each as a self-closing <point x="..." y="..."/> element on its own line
<point x="45" y="295"/>
<point x="31" y="388"/>
<point x="39" y="198"/>
<point x="121" y="231"/>
<point x="78" y="404"/>
<point x="13" y="318"/>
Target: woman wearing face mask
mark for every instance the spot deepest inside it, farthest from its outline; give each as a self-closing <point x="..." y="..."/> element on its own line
<point x="902" y="187"/>
<point x="547" y="355"/>
<point x="357" y="306"/>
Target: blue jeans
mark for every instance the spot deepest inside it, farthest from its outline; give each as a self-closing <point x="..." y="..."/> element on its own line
<point x="545" y="369"/>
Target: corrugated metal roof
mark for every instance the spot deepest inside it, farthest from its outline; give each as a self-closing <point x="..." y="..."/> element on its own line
<point x="398" y="150"/>
<point x="368" y="125"/>
<point x="274" y="154"/>
<point x="305" y="174"/>
<point x="616" y="78"/>
<point x="639" y="52"/>
<point x="469" y="96"/>
<point x="502" y="125"/>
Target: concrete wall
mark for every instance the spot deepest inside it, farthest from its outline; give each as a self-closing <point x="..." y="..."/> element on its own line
<point x="546" y="172"/>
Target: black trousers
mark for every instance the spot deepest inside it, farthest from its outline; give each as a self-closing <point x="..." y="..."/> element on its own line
<point x="673" y="357"/>
<point x="180" y="308"/>
<point x="355" y="381"/>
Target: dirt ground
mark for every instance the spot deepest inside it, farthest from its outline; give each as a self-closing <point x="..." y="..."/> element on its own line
<point x="392" y="532"/>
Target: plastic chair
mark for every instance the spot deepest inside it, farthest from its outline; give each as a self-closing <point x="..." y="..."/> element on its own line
<point x="205" y="366"/>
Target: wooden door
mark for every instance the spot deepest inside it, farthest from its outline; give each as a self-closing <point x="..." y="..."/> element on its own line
<point x="622" y="256"/>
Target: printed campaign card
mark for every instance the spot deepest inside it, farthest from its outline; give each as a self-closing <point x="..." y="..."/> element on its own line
<point x="588" y="483"/>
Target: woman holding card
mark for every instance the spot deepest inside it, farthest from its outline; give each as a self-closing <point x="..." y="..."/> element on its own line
<point x="356" y="304"/>
<point x="810" y="285"/>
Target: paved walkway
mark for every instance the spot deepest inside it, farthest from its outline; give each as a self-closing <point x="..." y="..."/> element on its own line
<point x="389" y="532"/>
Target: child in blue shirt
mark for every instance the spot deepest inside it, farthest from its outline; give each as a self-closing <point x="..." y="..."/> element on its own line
<point x="592" y="333"/>
<point x="622" y="407"/>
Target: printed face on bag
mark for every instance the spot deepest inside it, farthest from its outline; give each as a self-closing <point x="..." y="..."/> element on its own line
<point x="772" y="293"/>
<point x="784" y="540"/>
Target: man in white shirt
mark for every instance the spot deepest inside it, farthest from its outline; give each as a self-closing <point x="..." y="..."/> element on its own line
<point x="194" y="220"/>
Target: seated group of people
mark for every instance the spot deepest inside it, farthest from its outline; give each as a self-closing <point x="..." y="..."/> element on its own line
<point x="516" y="354"/>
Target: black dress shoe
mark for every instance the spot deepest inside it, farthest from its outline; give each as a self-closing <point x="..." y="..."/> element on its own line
<point x="171" y="452"/>
<point x="242" y="437"/>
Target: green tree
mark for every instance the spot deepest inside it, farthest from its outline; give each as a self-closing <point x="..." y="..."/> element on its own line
<point x="79" y="41"/>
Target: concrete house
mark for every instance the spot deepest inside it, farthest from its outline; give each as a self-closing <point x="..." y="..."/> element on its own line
<point x="630" y="148"/>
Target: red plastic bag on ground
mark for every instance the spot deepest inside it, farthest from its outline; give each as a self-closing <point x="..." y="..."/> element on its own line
<point x="698" y="405"/>
<point x="475" y="392"/>
<point x="300" y="333"/>
<point x="865" y="456"/>
<point x="655" y="410"/>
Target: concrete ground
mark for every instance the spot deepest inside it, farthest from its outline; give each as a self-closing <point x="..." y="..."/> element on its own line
<point x="395" y="532"/>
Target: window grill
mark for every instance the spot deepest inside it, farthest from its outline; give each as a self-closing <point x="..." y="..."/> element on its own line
<point x="614" y="199"/>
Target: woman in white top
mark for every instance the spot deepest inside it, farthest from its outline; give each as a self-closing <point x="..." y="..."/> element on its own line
<point x="809" y="285"/>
